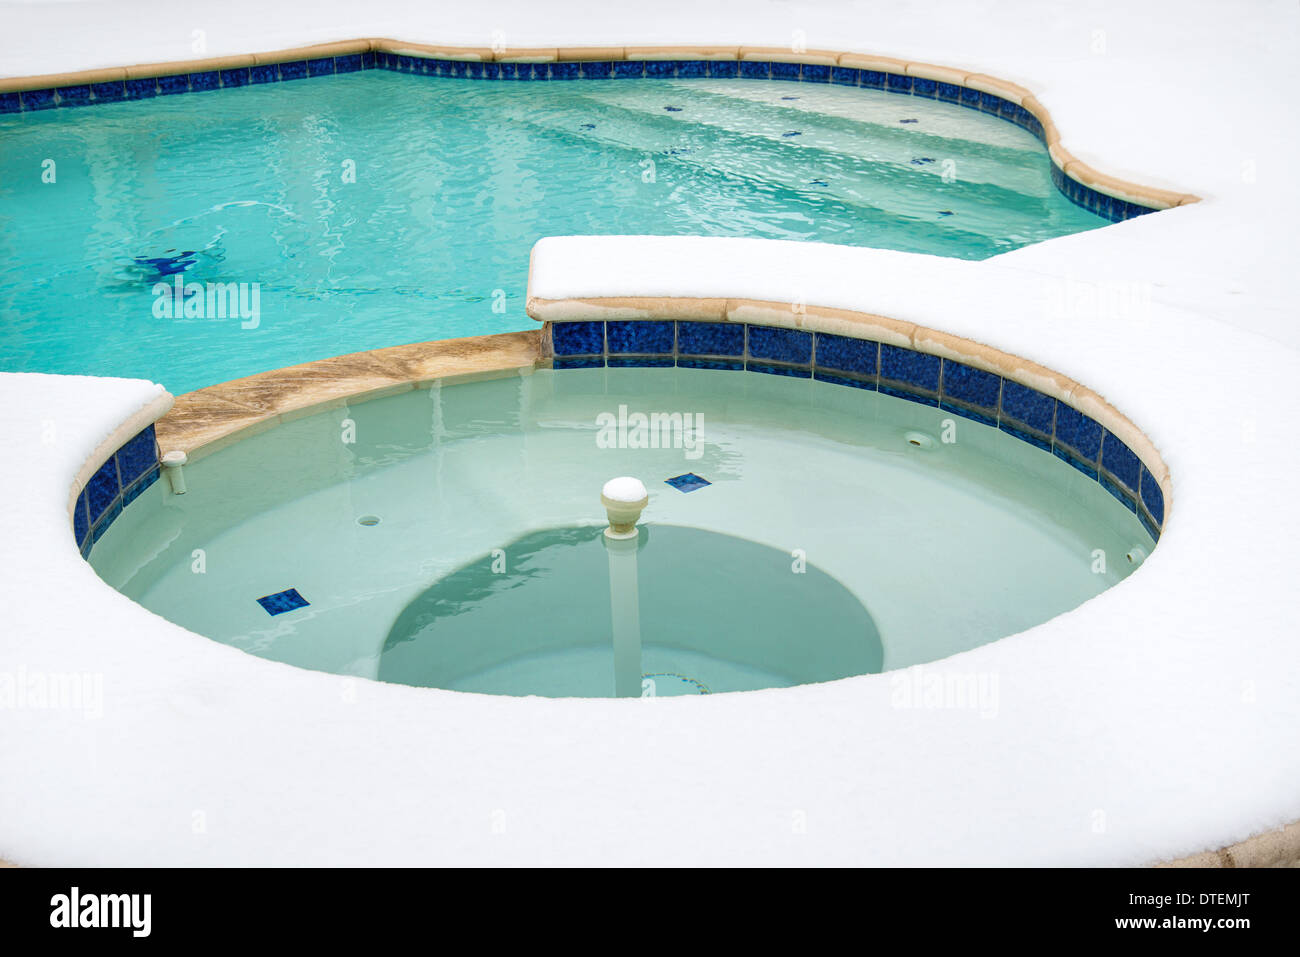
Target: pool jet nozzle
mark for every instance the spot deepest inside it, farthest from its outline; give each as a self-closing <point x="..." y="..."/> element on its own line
<point x="624" y="499"/>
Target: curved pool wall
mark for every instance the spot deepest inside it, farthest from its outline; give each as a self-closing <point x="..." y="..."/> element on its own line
<point x="1104" y="195"/>
<point x="862" y="357"/>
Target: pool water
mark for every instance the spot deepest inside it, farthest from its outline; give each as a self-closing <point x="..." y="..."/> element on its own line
<point x="714" y="613"/>
<point x="374" y="209"/>
<point x="450" y="536"/>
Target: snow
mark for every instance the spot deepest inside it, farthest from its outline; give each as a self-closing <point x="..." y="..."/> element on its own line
<point x="1157" y="720"/>
<point x="624" y="489"/>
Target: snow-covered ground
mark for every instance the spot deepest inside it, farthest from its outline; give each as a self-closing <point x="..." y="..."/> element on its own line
<point x="1157" y="720"/>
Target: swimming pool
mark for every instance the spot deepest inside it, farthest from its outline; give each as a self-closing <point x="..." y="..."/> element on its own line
<point x="372" y="208"/>
<point x="797" y="531"/>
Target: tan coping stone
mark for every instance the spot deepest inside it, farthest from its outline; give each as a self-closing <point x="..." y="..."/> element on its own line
<point x="627" y="307"/>
<point x="242" y="406"/>
<point x="789" y="55"/>
<point x="590" y="54"/>
<point x="145" y="71"/>
<point x="1121" y="189"/>
<point x="864" y="61"/>
<point x="313" y="52"/>
<point x="681" y="53"/>
<point x="933" y="71"/>
<point x="843" y="322"/>
<point x="526" y="55"/>
<point x="1276" y="848"/>
<point x="1050" y="133"/>
<point x="430" y="52"/>
<point x="1060" y="155"/>
<point x="1270" y="849"/>
<point x="50" y="80"/>
<point x="1003" y="88"/>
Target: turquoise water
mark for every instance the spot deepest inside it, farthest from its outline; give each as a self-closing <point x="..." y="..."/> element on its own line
<point x="454" y="182"/>
<point x="455" y="542"/>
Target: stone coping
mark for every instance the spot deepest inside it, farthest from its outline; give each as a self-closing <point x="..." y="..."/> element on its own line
<point x="1071" y="167"/>
<point x="208" y="419"/>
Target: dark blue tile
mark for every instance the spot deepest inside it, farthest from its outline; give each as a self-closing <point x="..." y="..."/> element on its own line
<point x="137" y="456"/>
<point x="141" y="89"/>
<point x="990" y="103"/>
<point x="968" y="412"/>
<point x="283" y="601"/>
<point x="591" y="362"/>
<point x="970" y="98"/>
<point x="724" y="69"/>
<point x="647" y="337"/>
<point x="1064" y="455"/>
<point x="1121" y="495"/>
<point x="474" y="69"/>
<point x="793" y="372"/>
<point x="898" y="83"/>
<point x="692" y="69"/>
<point x="85" y="549"/>
<point x="132" y="493"/>
<point x="1040" y="441"/>
<point x="322" y="66"/>
<point x="847" y="355"/>
<point x="236" y="77"/>
<point x="80" y="520"/>
<point x="74" y="95"/>
<point x="909" y="396"/>
<point x="924" y="87"/>
<point x="578" y="338"/>
<point x="597" y="71"/>
<point x="11" y="102"/>
<point x="785" y="71"/>
<point x="872" y="79"/>
<point x="716" y="365"/>
<point x="822" y="376"/>
<point x="816" y="73"/>
<point x="780" y="345"/>
<point x="1120" y="461"/>
<point x="368" y="60"/>
<point x="844" y="76"/>
<point x="661" y="69"/>
<point x="565" y="71"/>
<point x="168" y="85"/>
<point x="688" y="482"/>
<point x="209" y="80"/>
<point x="647" y="362"/>
<point x="102" y="490"/>
<point x="1028" y="406"/>
<point x="710" y="339"/>
<point x="491" y="71"/>
<point x="348" y="64"/>
<point x="109" y="92"/>
<point x="912" y="368"/>
<point x="625" y="69"/>
<point x="752" y="69"/>
<point x="267" y="73"/>
<point x="1152" y="497"/>
<point x="1152" y="529"/>
<point x="105" y="520"/>
<point x="1079" y="432"/>
<point x="970" y="385"/>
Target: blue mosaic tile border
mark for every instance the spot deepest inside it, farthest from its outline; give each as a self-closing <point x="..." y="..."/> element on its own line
<point x="1107" y="207"/>
<point x="115" y="485"/>
<point x="1024" y="413"/>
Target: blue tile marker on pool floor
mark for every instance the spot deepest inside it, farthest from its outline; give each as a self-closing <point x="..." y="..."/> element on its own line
<point x="283" y="601"/>
<point x="688" y="482"/>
